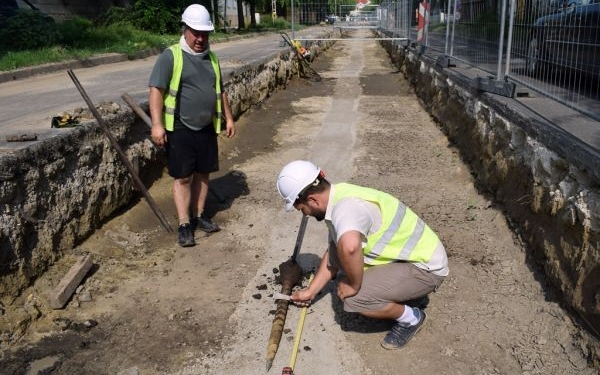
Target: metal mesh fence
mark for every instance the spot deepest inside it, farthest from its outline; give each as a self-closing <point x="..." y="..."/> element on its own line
<point x="396" y="17"/>
<point x="549" y="46"/>
<point x="556" y="51"/>
<point x="393" y="17"/>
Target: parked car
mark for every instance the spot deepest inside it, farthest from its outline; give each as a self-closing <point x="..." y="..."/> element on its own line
<point x="8" y="8"/>
<point x="331" y="19"/>
<point x="568" y="37"/>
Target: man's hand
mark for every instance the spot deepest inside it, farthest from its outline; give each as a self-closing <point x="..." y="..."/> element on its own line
<point x="302" y="297"/>
<point x="229" y="124"/>
<point x="159" y="135"/>
<point x="345" y="290"/>
<point x="155" y="102"/>
<point x="230" y="128"/>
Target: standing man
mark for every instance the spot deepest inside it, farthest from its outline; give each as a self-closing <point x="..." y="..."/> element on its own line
<point x="186" y="105"/>
<point x="388" y="254"/>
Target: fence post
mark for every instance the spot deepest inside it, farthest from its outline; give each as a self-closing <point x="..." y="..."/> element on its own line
<point x="499" y="73"/>
<point x="453" y="27"/>
<point x="292" y="23"/>
<point x="499" y="85"/>
<point x="510" y="36"/>
<point x="407" y="21"/>
<point x="447" y="28"/>
<point x="444" y="61"/>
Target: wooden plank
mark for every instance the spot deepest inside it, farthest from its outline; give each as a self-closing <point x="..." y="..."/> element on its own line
<point x="21" y="137"/>
<point x="70" y="281"/>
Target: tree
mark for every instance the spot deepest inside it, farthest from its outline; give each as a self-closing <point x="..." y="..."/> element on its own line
<point x="252" y="4"/>
<point x="240" y="11"/>
<point x="215" y="14"/>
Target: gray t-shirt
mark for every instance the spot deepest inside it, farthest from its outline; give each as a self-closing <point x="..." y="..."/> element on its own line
<point x="197" y="95"/>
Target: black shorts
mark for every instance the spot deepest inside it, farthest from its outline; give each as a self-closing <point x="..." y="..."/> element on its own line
<point x="190" y="151"/>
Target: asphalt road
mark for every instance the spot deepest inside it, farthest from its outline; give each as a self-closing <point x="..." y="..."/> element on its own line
<point x="28" y="105"/>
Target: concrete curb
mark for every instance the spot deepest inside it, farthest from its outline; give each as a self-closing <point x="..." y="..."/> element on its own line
<point x="22" y="73"/>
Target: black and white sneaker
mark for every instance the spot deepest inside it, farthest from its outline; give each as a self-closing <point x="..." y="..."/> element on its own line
<point x="401" y="334"/>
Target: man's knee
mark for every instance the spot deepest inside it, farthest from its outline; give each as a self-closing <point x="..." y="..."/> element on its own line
<point x="361" y="305"/>
<point x="183" y="181"/>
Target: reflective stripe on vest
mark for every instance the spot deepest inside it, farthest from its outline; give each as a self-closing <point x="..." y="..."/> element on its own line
<point x="170" y="97"/>
<point x="403" y="236"/>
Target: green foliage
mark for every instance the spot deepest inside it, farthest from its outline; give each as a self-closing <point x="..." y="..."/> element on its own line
<point x="157" y="16"/>
<point x="27" y="29"/>
<point x="15" y="60"/>
<point x="80" y="38"/>
<point x="73" y="29"/>
<point x="115" y="15"/>
<point x="266" y="24"/>
<point x="31" y="38"/>
<point x="279" y="24"/>
<point x="151" y="15"/>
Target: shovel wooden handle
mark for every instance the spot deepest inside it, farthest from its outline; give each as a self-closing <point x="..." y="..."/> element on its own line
<point x="137" y="109"/>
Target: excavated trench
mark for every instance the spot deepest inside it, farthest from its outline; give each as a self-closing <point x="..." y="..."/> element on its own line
<point x="57" y="193"/>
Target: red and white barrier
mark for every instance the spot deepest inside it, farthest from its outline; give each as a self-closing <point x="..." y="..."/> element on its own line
<point x="422" y="21"/>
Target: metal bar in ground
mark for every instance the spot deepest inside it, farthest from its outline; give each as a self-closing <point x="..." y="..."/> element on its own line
<point x="136" y="179"/>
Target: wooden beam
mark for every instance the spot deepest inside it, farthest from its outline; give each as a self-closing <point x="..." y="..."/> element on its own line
<point x="70" y="281"/>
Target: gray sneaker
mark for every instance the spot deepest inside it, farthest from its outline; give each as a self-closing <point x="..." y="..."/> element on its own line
<point x="400" y="334"/>
<point x="186" y="236"/>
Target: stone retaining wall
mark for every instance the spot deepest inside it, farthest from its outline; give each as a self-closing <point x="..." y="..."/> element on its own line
<point x="547" y="183"/>
<point x="58" y="191"/>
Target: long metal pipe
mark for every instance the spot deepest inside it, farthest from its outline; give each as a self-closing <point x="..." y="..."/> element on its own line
<point x="136" y="179"/>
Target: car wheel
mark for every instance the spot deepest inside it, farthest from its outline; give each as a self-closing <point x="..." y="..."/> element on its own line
<point x="535" y="61"/>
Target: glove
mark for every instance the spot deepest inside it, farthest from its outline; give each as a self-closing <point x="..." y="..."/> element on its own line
<point x="64" y="121"/>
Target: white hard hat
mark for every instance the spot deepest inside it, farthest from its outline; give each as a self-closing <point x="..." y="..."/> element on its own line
<point x="294" y="178"/>
<point x="197" y="17"/>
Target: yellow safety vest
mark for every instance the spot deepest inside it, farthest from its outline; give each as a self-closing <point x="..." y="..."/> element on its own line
<point x="403" y="236"/>
<point x="170" y="97"/>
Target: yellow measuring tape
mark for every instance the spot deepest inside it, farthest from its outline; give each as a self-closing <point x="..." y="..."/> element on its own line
<point x="299" y="330"/>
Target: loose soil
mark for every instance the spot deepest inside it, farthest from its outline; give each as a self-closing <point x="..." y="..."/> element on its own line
<point x="151" y="307"/>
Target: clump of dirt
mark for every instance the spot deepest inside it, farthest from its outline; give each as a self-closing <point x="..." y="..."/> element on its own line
<point x="104" y="108"/>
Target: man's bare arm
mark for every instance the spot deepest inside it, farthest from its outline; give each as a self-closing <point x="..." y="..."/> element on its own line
<point x="155" y="102"/>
